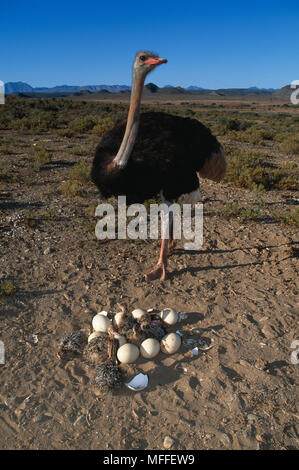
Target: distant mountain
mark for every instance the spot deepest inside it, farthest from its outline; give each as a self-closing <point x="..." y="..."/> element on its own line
<point x="65" y="90"/>
<point x="264" y="89"/>
<point x="194" y="88"/>
<point x="21" y="87"/>
<point x="151" y="87"/>
<point x="17" y="87"/>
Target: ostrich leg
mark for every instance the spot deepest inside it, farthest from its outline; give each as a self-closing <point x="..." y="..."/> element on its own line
<point x="159" y="272"/>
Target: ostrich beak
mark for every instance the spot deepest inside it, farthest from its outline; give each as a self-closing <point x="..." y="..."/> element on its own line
<point x="155" y="61"/>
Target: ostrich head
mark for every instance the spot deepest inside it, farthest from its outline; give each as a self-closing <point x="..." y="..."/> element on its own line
<point x="145" y="62"/>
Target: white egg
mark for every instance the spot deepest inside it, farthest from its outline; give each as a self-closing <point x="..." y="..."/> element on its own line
<point x="100" y="323"/>
<point x="128" y="353"/>
<point x="138" y="313"/>
<point x="169" y="316"/>
<point x="149" y="348"/>
<point x="170" y="343"/>
<point x="95" y="334"/>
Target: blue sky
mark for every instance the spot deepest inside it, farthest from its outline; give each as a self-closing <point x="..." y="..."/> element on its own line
<point x="212" y="44"/>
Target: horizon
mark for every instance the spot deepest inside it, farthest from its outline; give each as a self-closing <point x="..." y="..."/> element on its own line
<point x="129" y="85"/>
<point x="210" y="46"/>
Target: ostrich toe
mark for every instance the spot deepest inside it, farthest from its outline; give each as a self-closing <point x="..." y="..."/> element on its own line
<point x="159" y="272"/>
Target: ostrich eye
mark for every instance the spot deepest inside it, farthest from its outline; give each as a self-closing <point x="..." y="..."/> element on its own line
<point x="142" y="57"/>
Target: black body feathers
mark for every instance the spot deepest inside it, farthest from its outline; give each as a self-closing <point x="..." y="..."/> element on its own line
<point x="168" y="152"/>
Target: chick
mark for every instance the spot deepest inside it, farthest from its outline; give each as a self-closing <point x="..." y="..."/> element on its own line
<point x="71" y="344"/>
<point x="136" y="335"/>
<point x="96" y="351"/>
<point x="126" y="321"/>
<point x="153" y="326"/>
<point x="108" y="375"/>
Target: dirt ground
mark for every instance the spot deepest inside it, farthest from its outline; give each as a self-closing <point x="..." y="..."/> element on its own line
<point x="239" y="293"/>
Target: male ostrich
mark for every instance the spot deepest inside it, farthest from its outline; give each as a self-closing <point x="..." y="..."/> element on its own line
<point x="155" y="153"/>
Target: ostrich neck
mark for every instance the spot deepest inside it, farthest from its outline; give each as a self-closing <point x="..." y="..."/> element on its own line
<point x="131" y="131"/>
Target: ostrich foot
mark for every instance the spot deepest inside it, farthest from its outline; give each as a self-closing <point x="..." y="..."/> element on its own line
<point x="159" y="272"/>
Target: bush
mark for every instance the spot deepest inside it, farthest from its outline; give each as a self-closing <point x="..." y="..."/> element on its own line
<point x="41" y="156"/>
<point x="105" y="125"/>
<point x="81" y="125"/>
<point x="7" y="288"/>
<point x="226" y="124"/>
<point x="290" y="144"/>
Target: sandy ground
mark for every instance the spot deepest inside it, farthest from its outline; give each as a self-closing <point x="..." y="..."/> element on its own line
<point x="238" y="291"/>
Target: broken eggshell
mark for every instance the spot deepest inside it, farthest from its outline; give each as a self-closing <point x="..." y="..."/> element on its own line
<point x="139" y="382"/>
<point x="169" y="316"/>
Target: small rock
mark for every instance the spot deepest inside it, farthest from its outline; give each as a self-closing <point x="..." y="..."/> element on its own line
<point x="268" y="331"/>
<point x="33" y="339"/>
<point x="168" y="442"/>
<point x="47" y="251"/>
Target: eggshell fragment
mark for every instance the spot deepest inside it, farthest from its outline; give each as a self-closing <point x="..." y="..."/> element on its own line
<point x="128" y="353"/>
<point x="170" y="343"/>
<point x="169" y="316"/>
<point x="100" y="323"/>
<point x="138" y="313"/>
<point x="139" y="382"/>
<point x="149" y="348"/>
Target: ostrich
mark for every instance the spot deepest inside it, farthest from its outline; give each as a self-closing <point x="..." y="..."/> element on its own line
<point x="156" y="153"/>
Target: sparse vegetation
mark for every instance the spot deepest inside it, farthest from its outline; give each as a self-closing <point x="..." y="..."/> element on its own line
<point x="41" y="156"/>
<point x="6" y="174"/>
<point x="249" y="169"/>
<point x="7" y="288"/>
<point x="78" y="178"/>
<point x="290" y="217"/>
<point x="103" y="126"/>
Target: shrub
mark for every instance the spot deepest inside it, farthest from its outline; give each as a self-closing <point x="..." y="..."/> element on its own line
<point x="79" y="176"/>
<point x="290" y="217"/>
<point x="226" y="124"/>
<point x="7" y="288"/>
<point x="246" y="169"/>
<point x="41" y="156"/>
<point x="85" y="124"/>
<point x="290" y="144"/>
<point x="105" y="125"/>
